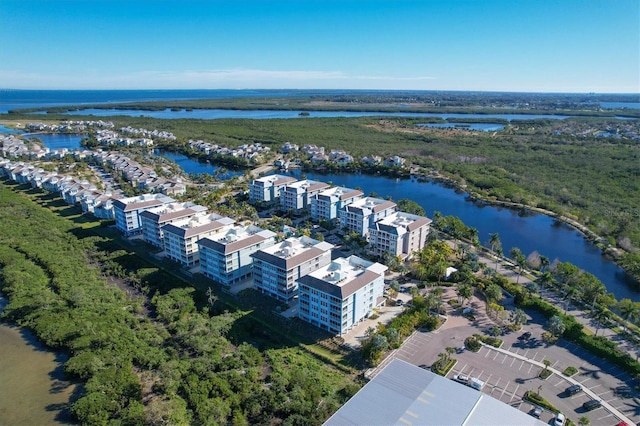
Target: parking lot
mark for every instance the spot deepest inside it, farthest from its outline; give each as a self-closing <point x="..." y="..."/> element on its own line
<point x="510" y="372"/>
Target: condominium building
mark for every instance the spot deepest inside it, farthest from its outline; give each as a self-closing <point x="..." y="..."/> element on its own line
<point x="180" y="237"/>
<point x="267" y="189"/>
<point x="226" y="256"/>
<point x="297" y="195"/>
<point x="342" y="294"/>
<point x="399" y="234"/>
<point x="276" y="269"/>
<point x="361" y="214"/>
<point x="154" y="219"/>
<point x="326" y="204"/>
<point x="127" y="210"/>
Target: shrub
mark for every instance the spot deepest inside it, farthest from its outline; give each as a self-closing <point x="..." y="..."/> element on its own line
<point x="570" y="371"/>
<point x="544" y="374"/>
<point x="536" y="399"/>
<point x="490" y="340"/>
<point x="472" y="343"/>
<point x="443" y="372"/>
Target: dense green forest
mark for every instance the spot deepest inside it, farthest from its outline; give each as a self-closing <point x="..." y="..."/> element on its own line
<point x="149" y="347"/>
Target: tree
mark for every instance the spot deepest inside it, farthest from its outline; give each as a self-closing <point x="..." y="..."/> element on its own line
<point x="464" y="292"/>
<point x="410" y="206"/>
<point x="520" y="259"/>
<point x="584" y="421"/>
<point x="534" y="260"/>
<point x="518" y="317"/>
<point x="494" y="241"/>
<point x="494" y="293"/>
<point x="629" y="311"/>
<point x="555" y="326"/>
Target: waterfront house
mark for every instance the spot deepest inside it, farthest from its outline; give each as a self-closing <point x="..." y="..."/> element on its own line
<point x="226" y="257"/>
<point x="267" y="189"/>
<point x="326" y="204"/>
<point x="399" y="234"/>
<point x="297" y="195"/>
<point x="276" y="269"/>
<point x="153" y="219"/>
<point x="361" y="214"/>
<point x="127" y="210"/>
<point x="342" y="294"/>
<point x="181" y="237"/>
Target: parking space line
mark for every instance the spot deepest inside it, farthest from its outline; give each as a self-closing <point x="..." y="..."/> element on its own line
<point x="521" y="364"/>
<point x="514" y="393"/>
<point x="505" y="388"/>
<point x="559" y="383"/>
<point x="530" y="367"/>
<point x="512" y="361"/>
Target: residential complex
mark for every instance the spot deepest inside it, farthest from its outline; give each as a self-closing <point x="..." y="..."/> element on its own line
<point x="361" y="214"/>
<point x="153" y="219"/>
<point x="127" y="210"/>
<point x="226" y="257"/>
<point x="267" y="189"/>
<point x="276" y="269"/>
<point x="342" y="294"/>
<point x="326" y="204"/>
<point x="297" y="195"/>
<point x="181" y="237"/>
<point x="399" y="234"/>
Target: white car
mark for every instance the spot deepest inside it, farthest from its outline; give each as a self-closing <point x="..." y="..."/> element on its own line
<point x="559" y="420"/>
<point x="461" y="379"/>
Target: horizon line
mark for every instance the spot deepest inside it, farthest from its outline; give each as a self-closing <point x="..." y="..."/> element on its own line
<point x="325" y="89"/>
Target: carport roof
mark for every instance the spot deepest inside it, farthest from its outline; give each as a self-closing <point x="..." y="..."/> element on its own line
<point x="403" y="394"/>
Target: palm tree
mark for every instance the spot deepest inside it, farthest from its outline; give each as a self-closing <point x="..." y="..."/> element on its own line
<point x="464" y="292"/>
<point x="520" y="259"/>
<point x="629" y="311"/>
<point x="496" y="245"/>
<point x="518" y="317"/>
<point x="600" y="315"/>
<point x="544" y="263"/>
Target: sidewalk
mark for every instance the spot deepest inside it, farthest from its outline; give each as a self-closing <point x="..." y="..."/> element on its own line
<point x="571" y="380"/>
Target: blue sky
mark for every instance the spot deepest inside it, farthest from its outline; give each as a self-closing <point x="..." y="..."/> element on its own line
<point x="484" y="45"/>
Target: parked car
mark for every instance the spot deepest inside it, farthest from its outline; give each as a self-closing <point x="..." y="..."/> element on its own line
<point x="572" y="390"/>
<point x="525" y="336"/>
<point x="559" y="420"/>
<point x="592" y="405"/>
<point x="536" y="412"/>
<point x="461" y="379"/>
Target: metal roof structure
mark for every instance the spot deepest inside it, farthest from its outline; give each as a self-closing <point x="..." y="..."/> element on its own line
<point x="403" y="394"/>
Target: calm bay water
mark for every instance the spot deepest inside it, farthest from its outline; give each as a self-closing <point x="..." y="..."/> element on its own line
<point x="32" y="386"/>
<point x="213" y="114"/>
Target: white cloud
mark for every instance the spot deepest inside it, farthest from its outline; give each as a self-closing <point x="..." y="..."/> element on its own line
<point x="237" y="78"/>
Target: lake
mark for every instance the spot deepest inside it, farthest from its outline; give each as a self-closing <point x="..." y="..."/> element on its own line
<point x="196" y="166"/>
<point x="57" y="140"/>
